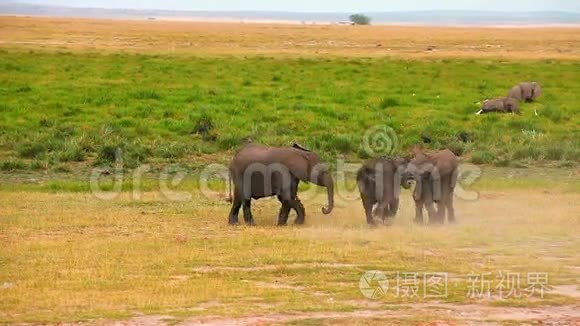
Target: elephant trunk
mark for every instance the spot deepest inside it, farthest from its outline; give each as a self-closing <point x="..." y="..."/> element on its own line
<point x="329" y="184"/>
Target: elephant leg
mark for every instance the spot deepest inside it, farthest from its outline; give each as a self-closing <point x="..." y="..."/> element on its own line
<point x="419" y="211"/>
<point x="441" y="210"/>
<point x="284" y="211"/>
<point x="451" y="209"/>
<point x="378" y="210"/>
<point x="236" y="204"/>
<point x="248" y="218"/>
<point x="295" y="203"/>
<point x="442" y="204"/>
<point x="300" y="211"/>
<point x="368" y="206"/>
<point x="430" y="207"/>
<point x="432" y="212"/>
<point x="393" y="207"/>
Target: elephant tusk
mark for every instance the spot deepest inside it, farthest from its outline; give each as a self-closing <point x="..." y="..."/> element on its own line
<point x="479" y="112"/>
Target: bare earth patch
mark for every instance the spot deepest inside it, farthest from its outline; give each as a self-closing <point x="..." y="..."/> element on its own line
<point x="472" y="314"/>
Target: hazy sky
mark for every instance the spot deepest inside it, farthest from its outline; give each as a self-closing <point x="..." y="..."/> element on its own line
<point x="326" y="5"/>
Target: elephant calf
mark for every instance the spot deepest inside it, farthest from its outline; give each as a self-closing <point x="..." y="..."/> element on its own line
<point x="526" y="91"/>
<point x="505" y="105"/>
<point x="379" y="183"/>
<point x="435" y="175"/>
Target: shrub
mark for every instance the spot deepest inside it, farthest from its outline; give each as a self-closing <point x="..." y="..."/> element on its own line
<point x="108" y="154"/>
<point x="64" y="131"/>
<point x="132" y="154"/>
<point x="458" y="148"/>
<point x="555" y="153"/>
<point x="12" y="165"/>
<point x="482" y="157"/>
<point x="146" y="94"/>
<point x="388" y="103"/>
<point x="340" y="143"/>
<point x="72" y="152"/>
<point x="360" y="19"/>
<point x="31" y="150"/>
<point x="172" y="150"/>
<point x="204" y="126"/>
<point x="531" y="151"/>
<point x="38" y="165"/>
<point x="229" y="141"/>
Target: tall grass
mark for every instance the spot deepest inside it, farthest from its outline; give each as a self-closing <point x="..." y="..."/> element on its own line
<point x="167" y="108"/>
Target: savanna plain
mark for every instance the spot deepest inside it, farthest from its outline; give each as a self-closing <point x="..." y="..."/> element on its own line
<point x="178" y="96"/>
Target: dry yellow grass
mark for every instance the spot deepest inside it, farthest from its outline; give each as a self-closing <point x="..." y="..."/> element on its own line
<point x="69" y="257"/>
<point x="205" y="38"/>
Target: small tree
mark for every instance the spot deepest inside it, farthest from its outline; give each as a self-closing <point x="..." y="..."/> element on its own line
<point x="360" y="19"/>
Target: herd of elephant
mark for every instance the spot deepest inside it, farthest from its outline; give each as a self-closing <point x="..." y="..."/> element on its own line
<point x="525" y="91"/>
<point x="258" y="171"/>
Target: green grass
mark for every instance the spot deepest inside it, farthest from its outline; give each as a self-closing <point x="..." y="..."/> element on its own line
<point x="69" y="255"/>
<point x="60" y="108"/>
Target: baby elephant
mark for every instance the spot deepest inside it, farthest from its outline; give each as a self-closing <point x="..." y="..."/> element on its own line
<point x="379" y="183"/>
<point x="505" y="105"/>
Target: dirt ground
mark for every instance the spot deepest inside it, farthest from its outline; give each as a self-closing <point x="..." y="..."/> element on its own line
<point x="206" y="38"/>
<point x="518" y="230"/>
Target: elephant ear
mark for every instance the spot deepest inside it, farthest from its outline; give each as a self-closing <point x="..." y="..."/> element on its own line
<point x="311" y="158"/>
<point x="537" y="90"/>
<point x="300" y="147"/>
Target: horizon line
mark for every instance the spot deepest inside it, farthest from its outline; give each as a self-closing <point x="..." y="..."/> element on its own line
<point x="303" y="12"/>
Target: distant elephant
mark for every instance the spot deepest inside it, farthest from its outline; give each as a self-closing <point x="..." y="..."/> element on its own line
<point x="258" y="171"/>
<point x="504" y="104"/>
<point x="435" y="176"/>
<point x="526" y="91"/>
<point x="379" y="182"/>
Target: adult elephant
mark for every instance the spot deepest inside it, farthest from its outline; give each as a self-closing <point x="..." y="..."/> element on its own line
<point x="526" y="91"/>
<point x="435" y="176"/>
<point x="504" y="105"/>
<point x="379" y="183"/>
<point x="258" y="171"/>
